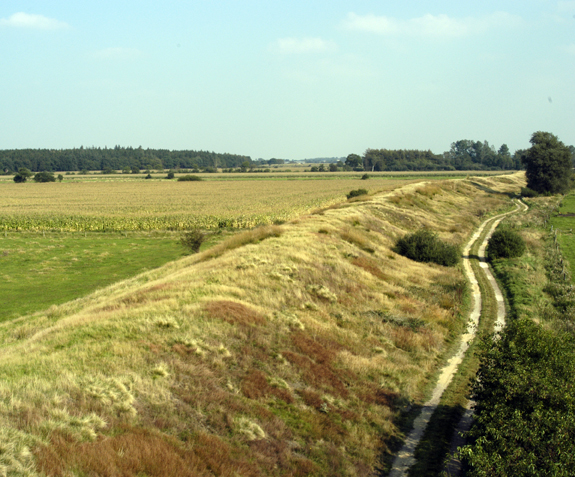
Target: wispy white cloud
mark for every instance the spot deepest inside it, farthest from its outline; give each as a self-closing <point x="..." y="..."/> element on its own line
<point x="435" y="26"/>
<point x="302" y="45"/>
<point x="36" y="22"/>
<point x="118" y="53"/>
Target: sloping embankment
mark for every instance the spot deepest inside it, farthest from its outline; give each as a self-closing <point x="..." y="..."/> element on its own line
<point x="283" y="351"/>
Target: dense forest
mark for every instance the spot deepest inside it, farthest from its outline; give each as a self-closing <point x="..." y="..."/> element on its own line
<point x="118" y="158"/>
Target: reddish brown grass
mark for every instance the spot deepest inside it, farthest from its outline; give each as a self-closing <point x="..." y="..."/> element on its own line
<point x="381" y="397"/>
<point x="311" y="398"/>
<point x="234" y="313"/>
<point x="256" y="386"/>
<point x="147" y="295"/>
<point x="317" y="375"/>
<point x="312" y="348"/>
<point x="141" y="452"/>
<point x="370" y="266"/>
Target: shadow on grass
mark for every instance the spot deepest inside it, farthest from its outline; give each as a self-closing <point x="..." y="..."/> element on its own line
<point x="434" y="447"/>
<point x="489" y="190"/>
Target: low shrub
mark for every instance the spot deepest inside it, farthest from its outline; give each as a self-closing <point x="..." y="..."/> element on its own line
<point x="527" y="192"/>
<point x="44" y="177"/>
<point x="356" y="193"/>
<point x="425" y="246"/>
<point x="192" y="240"/>
<point x="505" y="243"/>
<point x="189" y="177"/>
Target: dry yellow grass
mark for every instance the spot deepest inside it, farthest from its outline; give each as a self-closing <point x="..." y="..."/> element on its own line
<point x="285" y="353"/>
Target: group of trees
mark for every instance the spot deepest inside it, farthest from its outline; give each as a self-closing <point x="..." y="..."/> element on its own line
<point x="464" y="155"/>
<point x="118" y="158"/>
<point x="23" y="174"/>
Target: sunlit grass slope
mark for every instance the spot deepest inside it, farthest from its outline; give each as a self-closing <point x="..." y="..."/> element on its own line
<point x="287" y="350"/>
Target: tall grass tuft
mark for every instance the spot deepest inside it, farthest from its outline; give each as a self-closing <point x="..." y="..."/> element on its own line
<point x="244" y="238"/>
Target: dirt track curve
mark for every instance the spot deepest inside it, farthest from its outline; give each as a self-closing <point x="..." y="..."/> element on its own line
<point x="405" y="457"/>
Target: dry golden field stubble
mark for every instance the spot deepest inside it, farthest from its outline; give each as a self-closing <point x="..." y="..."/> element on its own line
<point x="169" y="205"/>
<point x="288" y="350"/>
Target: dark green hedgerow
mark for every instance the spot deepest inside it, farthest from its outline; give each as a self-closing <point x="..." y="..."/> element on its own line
<point x="525" y="411"/>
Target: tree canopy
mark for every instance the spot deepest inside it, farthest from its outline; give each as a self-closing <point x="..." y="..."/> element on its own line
<point x="548" y="166"/>
<point x="44" y="177"/>
<point x="22" y="175"/>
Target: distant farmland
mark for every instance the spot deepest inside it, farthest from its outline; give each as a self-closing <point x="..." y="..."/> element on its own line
<point x="116" y="205"/>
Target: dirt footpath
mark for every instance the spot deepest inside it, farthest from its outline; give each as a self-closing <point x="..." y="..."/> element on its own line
<point x="405" y="458"/>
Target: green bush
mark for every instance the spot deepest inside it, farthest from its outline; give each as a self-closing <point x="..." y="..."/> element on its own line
<point x="192" y="240"/>
<point x="22" y="175"/>
<point x="44" y="177"/>
<point x="189" y="178"/>
<point x="505" y="243"/>
<point x="527" y="192"/>
<point x="425" y="246"/>
<point x="170" y="175"/>
<point x="356" y="193"/>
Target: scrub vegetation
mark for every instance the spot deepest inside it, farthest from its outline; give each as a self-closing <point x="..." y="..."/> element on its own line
<point x="294" y="348"/>
<point x="525" y="412"/>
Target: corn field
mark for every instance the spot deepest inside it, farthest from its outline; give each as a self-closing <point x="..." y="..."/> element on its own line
<point x="163" y="205"/>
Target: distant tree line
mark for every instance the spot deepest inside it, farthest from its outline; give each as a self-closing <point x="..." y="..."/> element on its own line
<point x="464" y="155"/>
<point x="118" y="158"/>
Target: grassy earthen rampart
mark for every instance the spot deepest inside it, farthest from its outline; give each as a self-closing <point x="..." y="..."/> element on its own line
<point x="288" y="350"/>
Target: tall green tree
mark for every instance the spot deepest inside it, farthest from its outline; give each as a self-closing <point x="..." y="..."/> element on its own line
<point x="354" y="161"/>
<point x="548" y="165"/>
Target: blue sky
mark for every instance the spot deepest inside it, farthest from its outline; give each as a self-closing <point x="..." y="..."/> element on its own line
<point x="286" y="79"/>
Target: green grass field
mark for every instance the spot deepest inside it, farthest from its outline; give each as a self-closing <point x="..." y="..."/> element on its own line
<point x="38" y="270"/>
<point x="566" y="227"/>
